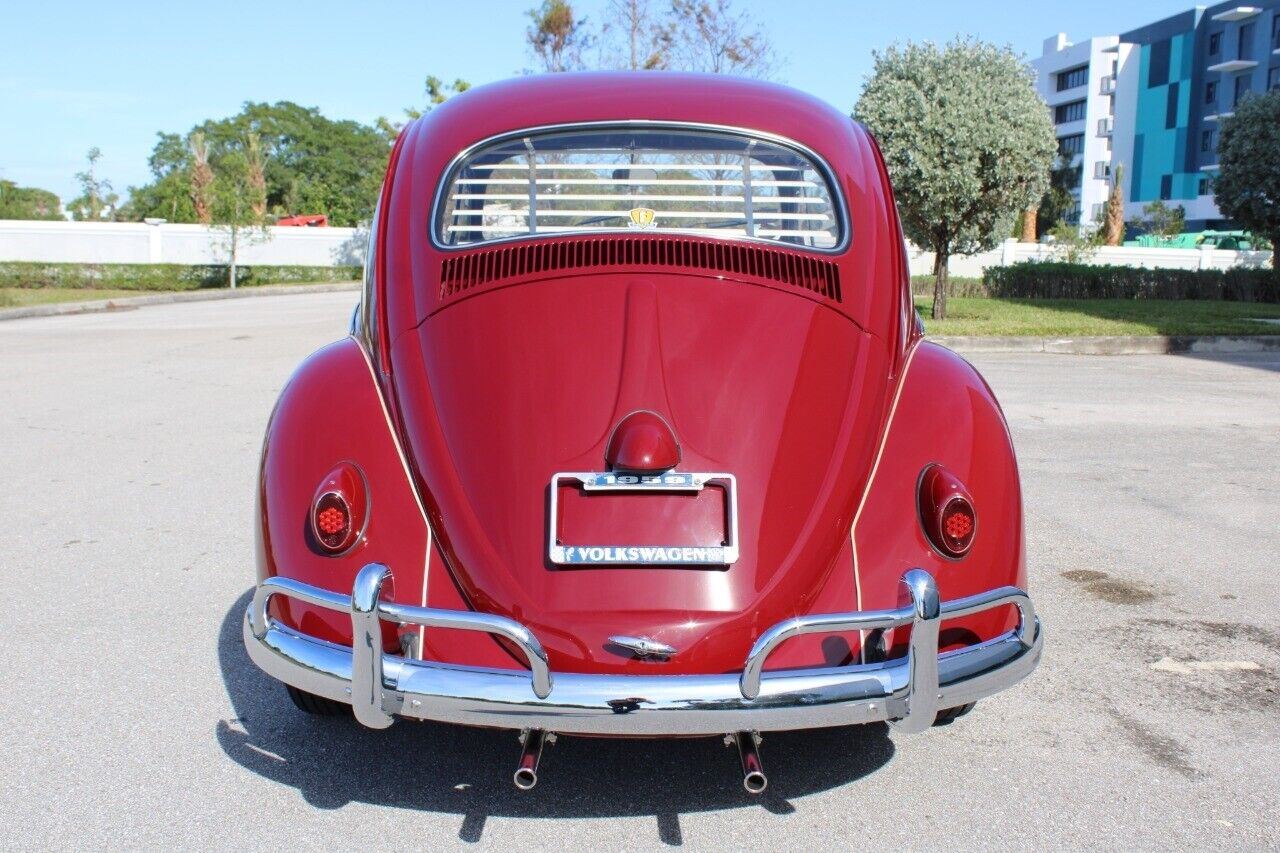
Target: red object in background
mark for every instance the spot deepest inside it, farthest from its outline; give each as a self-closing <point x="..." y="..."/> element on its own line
<point x="491" y="367"/>
<point x="313" y="220"/>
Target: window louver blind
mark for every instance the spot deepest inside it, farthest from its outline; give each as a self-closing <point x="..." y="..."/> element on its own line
<point x="714" y="184"/>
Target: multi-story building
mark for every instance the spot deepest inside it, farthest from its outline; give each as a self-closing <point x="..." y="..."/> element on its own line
<point x="1078" y="83"/>
<point x="1174" y="82"/>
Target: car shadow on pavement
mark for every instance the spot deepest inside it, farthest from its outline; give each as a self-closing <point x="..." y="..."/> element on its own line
<point x="1256" y="360"/>
<point x="333" y="761"/>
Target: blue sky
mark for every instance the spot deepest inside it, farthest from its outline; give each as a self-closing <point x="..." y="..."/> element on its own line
<point x="77" y="74"/>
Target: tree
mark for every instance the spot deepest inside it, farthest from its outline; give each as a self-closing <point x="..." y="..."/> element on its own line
<point x="556" y="38"/>
<point x="640" y="40"/>
<point x="1161" y="220"/>
<point x="27" y="202"/>
<point x="1247" y="188"/>
<point x="238" y="199"/>
<point x="168" y="196"/>
<point x="1114" y="228"/>
<point x="967" y="141"/>
<point x="709" y="36"/>
<point x="1074" y="244"/>
<point x="311" y="164"/>
<point x="437" y="93"/>
<point x="1029" y="218"/>
<point x="96" y="201"/>
<point x="1059" y="202"/>
<point x="201" y="177"/>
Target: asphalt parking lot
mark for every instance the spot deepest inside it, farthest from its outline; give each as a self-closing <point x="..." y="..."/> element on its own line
<point x="133" y="718"/>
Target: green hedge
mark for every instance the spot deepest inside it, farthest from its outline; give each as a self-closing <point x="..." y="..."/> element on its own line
<point x="1045" y="280"/>
<point x="922" y="285"/>
<point x="160" y="276"/>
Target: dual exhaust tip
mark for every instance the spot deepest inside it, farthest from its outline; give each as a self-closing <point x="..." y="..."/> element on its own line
<point x="532" y="741"/>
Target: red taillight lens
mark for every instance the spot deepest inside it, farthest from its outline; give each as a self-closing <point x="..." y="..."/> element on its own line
<point x="339" y="510"/>
<point x="958" y="525"/>
<point x="946" y="512"/>
<point x="331" y="518"/>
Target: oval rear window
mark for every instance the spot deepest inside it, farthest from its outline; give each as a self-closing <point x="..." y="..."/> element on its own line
<point x="624" y="180"/>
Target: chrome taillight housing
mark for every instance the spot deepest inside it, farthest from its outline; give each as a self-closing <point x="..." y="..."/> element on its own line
<point x="946" y="512"/>
<point x="340" y="510"/>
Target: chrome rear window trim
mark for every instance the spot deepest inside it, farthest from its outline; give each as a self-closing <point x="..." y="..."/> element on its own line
<point x="837" y="193"/>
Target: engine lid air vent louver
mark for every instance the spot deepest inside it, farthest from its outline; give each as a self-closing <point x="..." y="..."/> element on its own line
<point x="464" y="272"/>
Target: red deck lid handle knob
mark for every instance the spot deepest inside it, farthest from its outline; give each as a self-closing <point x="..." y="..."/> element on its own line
<point x="642" y="442"/>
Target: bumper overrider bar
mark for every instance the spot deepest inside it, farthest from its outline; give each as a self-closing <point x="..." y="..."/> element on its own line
<point x="907" y="692"/>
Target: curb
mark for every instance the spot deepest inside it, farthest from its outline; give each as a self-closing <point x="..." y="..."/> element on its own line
<point x="1116" y="345"/>
<point x="129" y="302"/>
<point x="1104" y="345"/>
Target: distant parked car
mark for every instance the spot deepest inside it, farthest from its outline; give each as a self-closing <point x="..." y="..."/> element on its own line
<point x="635" y="435"/>
<point x="312" y="220"/>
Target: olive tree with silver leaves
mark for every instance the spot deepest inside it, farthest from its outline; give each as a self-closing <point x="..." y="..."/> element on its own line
<point x="1247" y="188"/>
<point x="967" y="140"/>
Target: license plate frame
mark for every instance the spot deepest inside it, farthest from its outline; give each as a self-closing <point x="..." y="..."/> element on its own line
<point x="562" y="554"/>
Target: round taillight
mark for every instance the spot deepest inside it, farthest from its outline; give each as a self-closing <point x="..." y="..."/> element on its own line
<point x="946" y="512"/>
<point x="339" y="510"/>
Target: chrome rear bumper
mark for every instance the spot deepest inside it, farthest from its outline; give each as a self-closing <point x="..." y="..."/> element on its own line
<point x="907" y="692"/>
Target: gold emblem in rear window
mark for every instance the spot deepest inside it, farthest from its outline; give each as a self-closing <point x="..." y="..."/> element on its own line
<point x="642" y="217"/>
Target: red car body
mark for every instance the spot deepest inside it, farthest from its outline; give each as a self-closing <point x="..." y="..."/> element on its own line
<point x="477" y="372"/>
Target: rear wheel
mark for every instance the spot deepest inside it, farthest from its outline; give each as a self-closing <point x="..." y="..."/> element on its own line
<point x="318" y="706"/>
<point x="950" y="715"/>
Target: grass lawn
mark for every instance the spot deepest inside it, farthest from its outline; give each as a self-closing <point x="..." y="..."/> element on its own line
<point x="1081" y="317"/>
<point x="16" y="297"/>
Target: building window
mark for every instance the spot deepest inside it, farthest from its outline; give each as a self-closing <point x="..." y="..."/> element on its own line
<point x="1215" y="43"/>
<point x="1073" y="111"/>
<point x="1099" y="210"/>
<point x="1158" y="64"/>
<point x="1241" y="89"/>
<point x="1275" y="33"/>
<point x="1166" y="187"/>
<point x="1244" y="41"/>
<point x="1205" y="188"/>
<point x="1206" y="140"/>
<point x="1073" y="77"/>
<point x="1070" y="146"/>
<point x="1211" y="92"/>
<point x="1273" y="79"/>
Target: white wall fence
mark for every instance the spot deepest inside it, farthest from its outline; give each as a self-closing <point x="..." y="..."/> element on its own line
<point x="1012" y="252"/>
<point x="140" y="243"/>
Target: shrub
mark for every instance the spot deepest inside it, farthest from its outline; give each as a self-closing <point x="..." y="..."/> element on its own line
<point x="159" y="276"/>
<point x="922" y="285"/>
<point x="1041" y="280"/>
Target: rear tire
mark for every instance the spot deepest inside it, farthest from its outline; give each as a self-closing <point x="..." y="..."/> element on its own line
<point x="950" y="715"/>
<point x="317" y="706"/>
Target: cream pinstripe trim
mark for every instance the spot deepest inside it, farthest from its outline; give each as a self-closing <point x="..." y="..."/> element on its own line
<point x="404" y="465"/>
<point x="875" y="467"/>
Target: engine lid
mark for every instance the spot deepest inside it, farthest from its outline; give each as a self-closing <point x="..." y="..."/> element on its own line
<point x="778" y="396"/>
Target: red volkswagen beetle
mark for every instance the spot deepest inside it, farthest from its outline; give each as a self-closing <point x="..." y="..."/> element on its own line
<point x="635" y="435"/>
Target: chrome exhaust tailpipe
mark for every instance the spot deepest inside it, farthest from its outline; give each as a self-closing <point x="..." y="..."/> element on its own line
<point x="532" y="741"/>
<point x="753" y="778"/>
